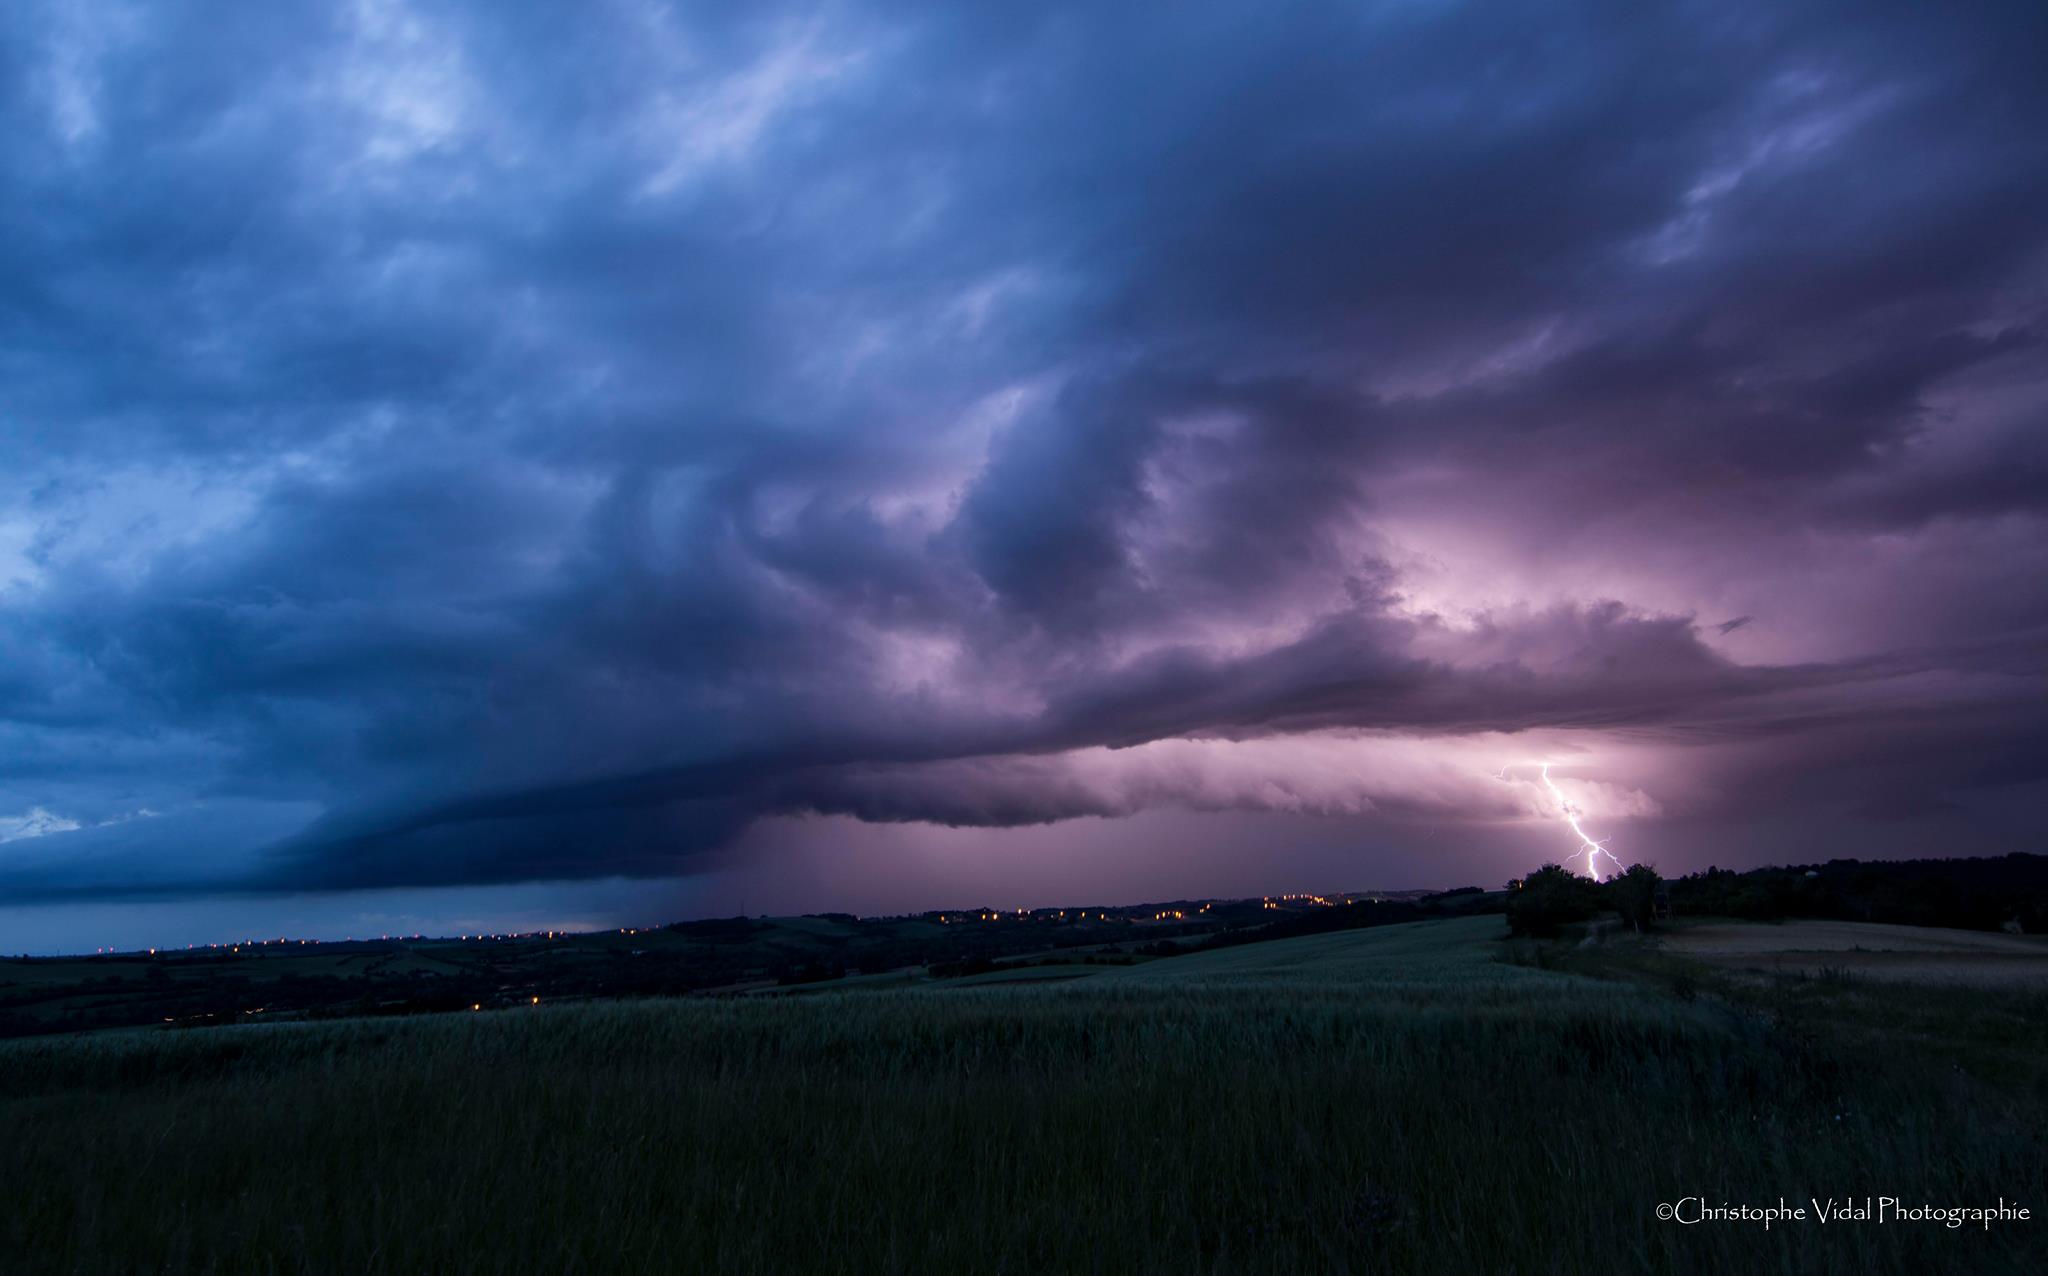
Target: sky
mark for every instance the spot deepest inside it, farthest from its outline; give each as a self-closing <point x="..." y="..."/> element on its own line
<point x="491" y="466"/>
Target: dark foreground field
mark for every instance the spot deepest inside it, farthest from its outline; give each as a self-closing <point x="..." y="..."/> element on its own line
<point x="1391" y="1098"/>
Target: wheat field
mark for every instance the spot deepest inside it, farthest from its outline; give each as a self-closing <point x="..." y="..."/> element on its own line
<point x="1390" y="1099"/>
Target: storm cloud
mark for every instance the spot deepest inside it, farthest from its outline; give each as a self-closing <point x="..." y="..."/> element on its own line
<point x="452" y="445"/>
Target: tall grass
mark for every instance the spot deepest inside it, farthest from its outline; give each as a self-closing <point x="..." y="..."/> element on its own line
<point x="1378" y="1100"/>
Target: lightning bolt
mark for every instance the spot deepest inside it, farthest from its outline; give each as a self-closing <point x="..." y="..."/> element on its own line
<point x="1593" y="847"/>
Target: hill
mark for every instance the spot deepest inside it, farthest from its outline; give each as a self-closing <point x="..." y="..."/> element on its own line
<point x="283" y="979"/>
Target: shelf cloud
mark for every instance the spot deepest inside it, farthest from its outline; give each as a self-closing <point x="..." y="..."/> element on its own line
<point x="453" y="445"/>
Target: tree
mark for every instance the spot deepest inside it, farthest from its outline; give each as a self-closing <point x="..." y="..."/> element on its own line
<point x="1550" y="897"/>
<point x="1633" y="894"/>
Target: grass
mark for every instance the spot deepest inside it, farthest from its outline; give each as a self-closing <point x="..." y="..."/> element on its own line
<point x="1390" y="1099"/>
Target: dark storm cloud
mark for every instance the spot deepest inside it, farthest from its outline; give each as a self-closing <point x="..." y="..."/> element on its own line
<point x="548" y="444"/>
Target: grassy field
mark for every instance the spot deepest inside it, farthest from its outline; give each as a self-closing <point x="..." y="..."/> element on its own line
<point x="1388" y="1099"/>
<point x="1869" y="950"/>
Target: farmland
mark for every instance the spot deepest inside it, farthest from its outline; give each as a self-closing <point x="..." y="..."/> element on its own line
<point x="1403" y="1097"/>
<point x="1870" y="950"/>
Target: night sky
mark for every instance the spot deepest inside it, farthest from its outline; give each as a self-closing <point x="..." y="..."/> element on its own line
<point x="497" y="465"/>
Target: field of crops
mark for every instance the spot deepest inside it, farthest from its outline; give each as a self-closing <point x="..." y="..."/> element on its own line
<point x="1394" y="1098"/>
